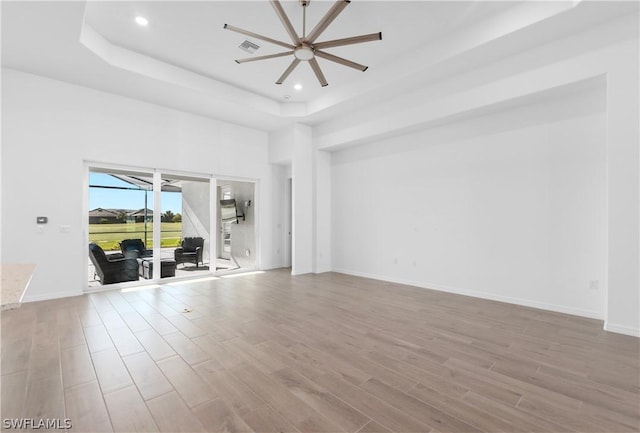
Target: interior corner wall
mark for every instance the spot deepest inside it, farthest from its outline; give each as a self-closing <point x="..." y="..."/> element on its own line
<point x="49" y="128"/>
<point x="510" y="206"/>
<point x="623" y="190"/>
<point x="281" y="144"/>
<point x="279" y="218"/>
<point x="322" y="204"/>
<point x="302" y="200"/>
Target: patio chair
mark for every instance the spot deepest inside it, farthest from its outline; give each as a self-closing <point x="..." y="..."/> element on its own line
<point x="137" y="245"/>
<point x="190" y="251"/>
<point x="112" y="268"/>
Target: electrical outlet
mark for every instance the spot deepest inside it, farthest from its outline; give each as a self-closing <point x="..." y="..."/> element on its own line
<point x="593" y="285"/>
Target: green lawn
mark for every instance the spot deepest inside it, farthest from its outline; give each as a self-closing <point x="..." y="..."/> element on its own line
<point x="108" y="236"/>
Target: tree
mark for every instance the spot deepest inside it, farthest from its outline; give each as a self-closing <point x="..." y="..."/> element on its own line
<point x="167" y="216"/>
<point x="177" y="218"/>
<point x="121" y="217"/>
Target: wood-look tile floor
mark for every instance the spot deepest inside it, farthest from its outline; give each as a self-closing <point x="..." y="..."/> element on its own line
<point x="316" y="353"/>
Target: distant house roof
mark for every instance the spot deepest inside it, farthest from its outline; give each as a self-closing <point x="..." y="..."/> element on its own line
<point x="111" y="213"/>
<point x="105" y="213"/>
<point x="140" y="213"/>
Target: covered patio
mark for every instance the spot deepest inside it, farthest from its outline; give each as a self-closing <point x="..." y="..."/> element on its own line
<point x="185" y="214"/>
<point x="182" y="269"/>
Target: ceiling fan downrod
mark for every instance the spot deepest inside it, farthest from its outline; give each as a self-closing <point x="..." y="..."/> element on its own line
<point x="304" y="4"/>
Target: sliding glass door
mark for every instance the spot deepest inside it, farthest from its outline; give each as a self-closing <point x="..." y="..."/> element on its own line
<point x="121" y="220"/>
<point x="149" y="225"/>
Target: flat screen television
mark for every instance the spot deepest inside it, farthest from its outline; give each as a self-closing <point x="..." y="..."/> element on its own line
<point x="228" y="211"/>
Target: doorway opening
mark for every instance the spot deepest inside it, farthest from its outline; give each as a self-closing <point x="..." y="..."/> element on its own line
<point x="236" y="244"/>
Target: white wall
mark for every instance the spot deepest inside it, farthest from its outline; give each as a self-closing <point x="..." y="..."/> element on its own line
<point x="510" y="206"/>
<point x="606" y="52"/>
<point x="302" y="200"/>
<point x="49" y="128"/>
<point x="322" y="211"/>
<point x="623" y="190"/>
<point x="310" y="199"/>
<point x="281" y="217"/>
<point x="281" y="146"/>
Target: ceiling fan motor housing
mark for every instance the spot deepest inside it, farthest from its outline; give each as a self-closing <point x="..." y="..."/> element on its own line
<point x="304" y="52"/>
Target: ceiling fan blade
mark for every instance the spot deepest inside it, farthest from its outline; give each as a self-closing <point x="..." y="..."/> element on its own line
<point x="269" y="56"/>
<point x="327" y="19"/>
<point x="348" y="41"/>
<point x="286" y="73"/>
<point x="316" y="70"/>
<point x="257" y="36"/>
<point x="341" y="61"/>
<point x="285" y="21"/>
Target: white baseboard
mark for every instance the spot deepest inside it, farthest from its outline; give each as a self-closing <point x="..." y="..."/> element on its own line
<point x="322" y="270"/>
<point x="621" y="329"/>
<point x="270" y="265"/>
<point x="274" y="266"/>
<point x="49" y="296"/>
<point x="301" y="271"/>
<point x="482" y="295"/>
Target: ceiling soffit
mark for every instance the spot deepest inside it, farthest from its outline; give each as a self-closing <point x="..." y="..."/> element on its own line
<point x="89" y="52"/>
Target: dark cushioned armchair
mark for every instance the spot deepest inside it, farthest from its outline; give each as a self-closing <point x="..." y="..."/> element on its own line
<point x="190" y="251"/>
<point x="135" y="245"/>
<point x="113" y="268"/>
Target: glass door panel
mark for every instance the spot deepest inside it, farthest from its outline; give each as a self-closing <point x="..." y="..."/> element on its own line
<point x="120" y="224"/>
<point x="185" y="227"/>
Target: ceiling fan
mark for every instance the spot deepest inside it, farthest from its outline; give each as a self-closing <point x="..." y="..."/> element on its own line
<point x="305" y="48"/>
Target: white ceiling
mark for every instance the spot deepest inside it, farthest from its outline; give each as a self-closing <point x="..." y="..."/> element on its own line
<point x="191" y="35"/>
<point x="184" y="58"/>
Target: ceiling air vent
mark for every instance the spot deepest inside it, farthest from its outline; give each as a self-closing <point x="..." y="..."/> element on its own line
<point x="249" y="47"/>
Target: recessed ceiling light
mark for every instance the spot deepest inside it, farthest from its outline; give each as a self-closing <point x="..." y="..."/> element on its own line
<point x="142" y="21"/>
<point x="298" y="86"/>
